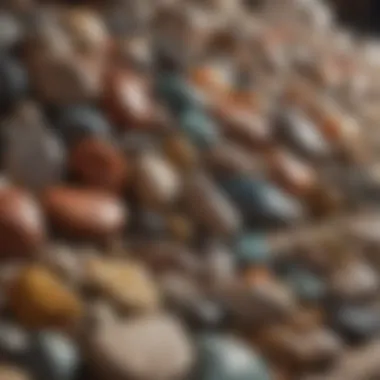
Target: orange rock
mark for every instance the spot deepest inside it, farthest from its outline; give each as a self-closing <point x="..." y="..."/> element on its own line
<point x="38" y="299"/>
<point x="83" y="213"/>
<point x="99" y="164"/>
<point x="22" y="229"/>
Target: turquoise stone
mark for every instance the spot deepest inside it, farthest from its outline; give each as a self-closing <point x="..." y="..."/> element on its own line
<point x="306" y="285"/>
<point x="252" y="248"/>
<point x="261" y="203"/>
<point x="177" y="93"/>
<point x="226" y="358"/>
<point x="201" y="130"/>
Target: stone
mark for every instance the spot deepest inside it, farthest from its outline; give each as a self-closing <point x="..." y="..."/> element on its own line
<point x="126" y="283"/>
<point x="100" y="165"/>
<point x="38" y="299"/>
<point x="84" y="214"/>
<point x="210" y="208"/>
<point x="52" y="356"/>
<point x="8" y="372"/>
<point x="22" y="231"/>
<point x="161" y="349"/>
<point x="157" y="182"/>
<point x="252" y="249"/>
<point x="223" y="357"/>
<point x="199" y="127"/>
<point x="262" y="203"/>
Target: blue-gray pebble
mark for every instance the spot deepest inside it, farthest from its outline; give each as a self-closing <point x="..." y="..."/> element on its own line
<point x="199" y="127"/>
<point x="251" y="249"/>
<point x="75" y="122"/>
<point x="226" y="358"/>
<point x="52" y="356"/>
<point x="262" y="204"/>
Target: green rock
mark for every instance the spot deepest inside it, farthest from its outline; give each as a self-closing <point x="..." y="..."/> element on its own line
<point x="178" y="94"/>
<point x="199" y="127"/>
<point x="226" y="358"/>
<point x="252" y="249"/>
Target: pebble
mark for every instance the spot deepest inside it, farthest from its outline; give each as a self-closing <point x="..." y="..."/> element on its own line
<point x="8" y="372"/>
<point x="226" y="358"/>
<point x="22" y="231"/>
<point x="157" y="182"/>
<point x="261" y="202"/>
<point x="252" y="249"/>
<point x="99" y="164"/>
<point x="75" y="122"/>
<point x="38" y="299"/>
<point x="84" y="214"/>
<point x="128" y="284"/>
<point x="210" y="208"/>
<point x="158" y="340"/>
<point x="52" y="356"/>
<point x="14" y="341"/>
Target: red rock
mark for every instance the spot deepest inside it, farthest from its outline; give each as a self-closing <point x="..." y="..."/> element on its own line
<point x="22" y="229"/>
<point x="84" y="213"/>
<point x="99" y="164"/>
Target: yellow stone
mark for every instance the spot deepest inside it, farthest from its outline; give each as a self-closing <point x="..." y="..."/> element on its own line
<point x="126" y="283"/>
<point x="39" y="299"/>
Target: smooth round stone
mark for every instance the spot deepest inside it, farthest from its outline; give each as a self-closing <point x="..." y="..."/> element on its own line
<point x="210" y="208"/>
<point x="225" y="358"/>
<point x="128" y="100"/>
<point x="154" y="347"/>
<point x="178" y="94"/>
<point x="22" y="227"/>
<point x="302" y="135"/>
<point x="157" y="182"/>
<point x="34" y="157"/>
<point x="8" y="372"/>
<point x="52" y="356"/>
<point x="252" y="249"/>
<point x="99" y="164"/>
<point x="14" y="341"/>
<point x="261" y="202"/>
<point x="13" y="82"/>
<point x="200" y="128"/>
<point x="76" y="122"/>
<point x="38" y="299"/>
<point x="357" y="322"/>
<point x="83" y="213"/>
<point x="306" y="285"/>
<point x="11" y="31"/>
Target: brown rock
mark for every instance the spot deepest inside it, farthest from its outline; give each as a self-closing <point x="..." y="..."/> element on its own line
<point x="180" y="227"/>
<point x="210" y="208"/>
<point x="38" y="299"/>
<point x="180" y="152"/>
<point x="84" y="213"/>
<point x="126" y="283"/>
<point x="128" y="100"/>
<point x="8" y="372"/>
<point x="97" y="163"/>
<point x="22" y="229"/>
<point x="294" y="175"/>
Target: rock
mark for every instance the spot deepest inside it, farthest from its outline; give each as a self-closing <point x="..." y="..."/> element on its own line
<point x="161" y="349"/>
<point x="99" y="164"/>
<point x="22" y="231"/>
<point x="226" y="358"/>
<point x="53" y="356"/>
<point x="210" y="208"/>
<point x="252" y="249"/>
<point x="199" y="127"/>
<point x="261" y="203"/>
<point x="84" y="213"/>
<point x="126" y="283"/>
<point x="38" y="299"/>
<point x="157" y="183"/>
<point x="8" y="372"/>
<point x="76" y="122"/>
<point x="14" y="341"/>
